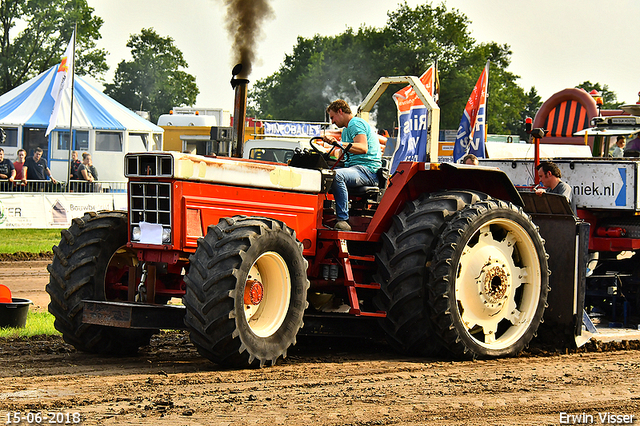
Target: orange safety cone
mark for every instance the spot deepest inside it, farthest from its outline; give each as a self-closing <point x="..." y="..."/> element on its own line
<point x="5" y="294"/>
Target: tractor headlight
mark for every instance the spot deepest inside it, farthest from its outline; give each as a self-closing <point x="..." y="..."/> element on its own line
<point x="166" y="235"/>
<point x="135" y="233"/>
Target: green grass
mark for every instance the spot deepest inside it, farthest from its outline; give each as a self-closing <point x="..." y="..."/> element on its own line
<point x="28" y="240"/>
<point x="38" y="323"/>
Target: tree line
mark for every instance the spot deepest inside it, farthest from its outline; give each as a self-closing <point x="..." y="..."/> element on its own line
<point x="154" y="80"/>
<point x="319" y="69"/>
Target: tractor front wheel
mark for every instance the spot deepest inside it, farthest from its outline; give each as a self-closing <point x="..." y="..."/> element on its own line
<point x="89" y="264"/>
<point x="246" y="291"/>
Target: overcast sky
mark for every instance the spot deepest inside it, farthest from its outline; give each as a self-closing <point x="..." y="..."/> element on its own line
<point x="555" y="43"/>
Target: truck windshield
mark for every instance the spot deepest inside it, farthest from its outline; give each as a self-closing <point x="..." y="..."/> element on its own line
<point x="276" y="155"/>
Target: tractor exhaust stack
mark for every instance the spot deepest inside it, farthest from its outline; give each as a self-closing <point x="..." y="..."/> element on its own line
<point x="240" y="110"/>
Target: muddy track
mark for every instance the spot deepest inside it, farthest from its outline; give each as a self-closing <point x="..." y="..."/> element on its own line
<point x="323" y="381"/>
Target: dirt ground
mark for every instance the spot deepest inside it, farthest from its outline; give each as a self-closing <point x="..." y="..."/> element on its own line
<point x="322" y="382"/>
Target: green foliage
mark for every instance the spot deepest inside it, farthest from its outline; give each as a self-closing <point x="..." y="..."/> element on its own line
<point x="152" y="80"/>
<point x="609" y="98"/>
<point x="319" y="69"/>
<point x="322" y="69"/>
<point x="42" y="42"/>
<point x="28" y="240"/>
<point x="38" y="324"/>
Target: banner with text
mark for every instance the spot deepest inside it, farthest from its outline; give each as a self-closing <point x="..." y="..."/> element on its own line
<point x="288" y="129"/>
<point x="53" y="210"/>
<point x="413" y="121"/>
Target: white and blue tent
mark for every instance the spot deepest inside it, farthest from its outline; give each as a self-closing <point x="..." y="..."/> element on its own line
<point x="101" y="126"/>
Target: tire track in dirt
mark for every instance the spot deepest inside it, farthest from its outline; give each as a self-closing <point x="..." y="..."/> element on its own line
<point x="322" y="383"/>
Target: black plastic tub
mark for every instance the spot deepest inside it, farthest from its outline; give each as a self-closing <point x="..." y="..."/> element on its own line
<point x="14" y="314"/>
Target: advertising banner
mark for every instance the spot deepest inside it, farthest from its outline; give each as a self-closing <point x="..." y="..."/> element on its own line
<point x="413" y="121"/>
<point x="52" y="210"/>
<point x="292" y="130"/>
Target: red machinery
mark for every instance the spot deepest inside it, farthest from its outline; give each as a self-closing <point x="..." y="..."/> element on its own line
<point x="443" y="256"/>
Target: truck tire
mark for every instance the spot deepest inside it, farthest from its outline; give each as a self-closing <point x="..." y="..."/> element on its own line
<point x="403" y="269"/>
<point x="489" y="281"/>
<point x="89" y="251"/>
<point x="246" y="291"/>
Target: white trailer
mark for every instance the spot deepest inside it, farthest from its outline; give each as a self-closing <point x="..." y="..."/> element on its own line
<point x="597" y="183"/>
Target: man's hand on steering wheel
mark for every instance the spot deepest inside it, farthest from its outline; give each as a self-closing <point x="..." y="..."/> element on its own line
<point x="336" y="144"/>
<point x="319" y="148"/>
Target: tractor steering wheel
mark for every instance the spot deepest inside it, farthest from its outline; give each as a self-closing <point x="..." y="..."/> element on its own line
<point x="326" y="155"/>
<point x="316" y="149"/>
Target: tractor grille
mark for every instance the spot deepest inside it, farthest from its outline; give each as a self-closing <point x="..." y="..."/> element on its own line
<point x="160" y="165"/>
<point x="150" y="202"/>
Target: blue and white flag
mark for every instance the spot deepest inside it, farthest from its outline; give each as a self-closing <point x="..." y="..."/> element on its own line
<point x="472" y="131"/>
<point x="413" y="121"/>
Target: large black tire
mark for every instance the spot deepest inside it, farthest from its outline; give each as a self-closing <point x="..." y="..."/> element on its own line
<point x="223" y="327"/>
<point x="78" y="273"/>
<point x="403" y="269"/>
<point x="489" y="281"/>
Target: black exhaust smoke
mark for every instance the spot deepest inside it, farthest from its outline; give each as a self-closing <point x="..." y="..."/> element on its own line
<point x="244" y="18"/>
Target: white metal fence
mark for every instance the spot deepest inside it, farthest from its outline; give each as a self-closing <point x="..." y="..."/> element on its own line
<point x="74" y="186"/>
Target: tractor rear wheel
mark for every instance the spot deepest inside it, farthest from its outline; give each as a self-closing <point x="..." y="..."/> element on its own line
<point x="89" y="264"/>
<point x="403" y="269"/>
<point x="246" y="291"/>
<point x="489" y="281"/>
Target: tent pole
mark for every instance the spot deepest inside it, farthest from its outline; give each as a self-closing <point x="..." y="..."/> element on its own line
<point x="73" y="75"/>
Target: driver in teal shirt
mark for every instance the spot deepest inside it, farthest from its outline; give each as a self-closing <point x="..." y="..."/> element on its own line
<point x="363" y="162"/>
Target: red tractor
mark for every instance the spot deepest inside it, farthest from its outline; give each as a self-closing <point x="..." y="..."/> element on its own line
<point x="442" y="256"/>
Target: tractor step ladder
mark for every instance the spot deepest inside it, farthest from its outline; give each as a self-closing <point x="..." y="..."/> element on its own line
<point x="349" y="281"/>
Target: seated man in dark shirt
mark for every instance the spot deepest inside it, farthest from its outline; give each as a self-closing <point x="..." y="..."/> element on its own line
<point x="550" y="175"/>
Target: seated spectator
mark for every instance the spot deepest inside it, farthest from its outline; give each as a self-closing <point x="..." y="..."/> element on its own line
<point x="618" y="150"/>
<point x="550" y="176"/>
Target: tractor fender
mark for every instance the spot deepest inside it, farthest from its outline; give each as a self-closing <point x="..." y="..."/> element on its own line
<point x="490" y="180"/>
<point x="411" y="179"/>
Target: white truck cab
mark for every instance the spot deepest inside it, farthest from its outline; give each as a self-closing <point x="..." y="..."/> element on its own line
<point x="276" y="150"/>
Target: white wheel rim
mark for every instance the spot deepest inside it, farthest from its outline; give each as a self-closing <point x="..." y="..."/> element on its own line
<point x="498" y="284"/>
<point x="266" y="317"/>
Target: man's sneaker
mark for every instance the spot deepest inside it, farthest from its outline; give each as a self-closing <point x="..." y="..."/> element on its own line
<point x="343" y="225"/>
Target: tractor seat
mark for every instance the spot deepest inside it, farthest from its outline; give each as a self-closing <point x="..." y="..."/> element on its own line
<point x="373" y="191"/>
<point x="370" y="191"/>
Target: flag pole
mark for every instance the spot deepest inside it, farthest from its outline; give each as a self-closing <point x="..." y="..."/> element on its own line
<point x="486" y="113"/>
<point x="73" y="76"/>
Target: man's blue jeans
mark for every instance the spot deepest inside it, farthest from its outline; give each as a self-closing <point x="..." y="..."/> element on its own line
<point x="350" y="177"/>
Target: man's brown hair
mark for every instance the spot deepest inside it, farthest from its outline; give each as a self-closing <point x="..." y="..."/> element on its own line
<point x="549" y="166"/>
<point x="471" y="157"/>
<point x="339" y="104"/>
